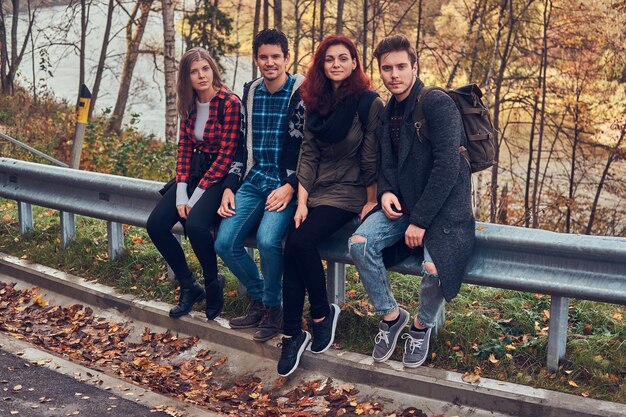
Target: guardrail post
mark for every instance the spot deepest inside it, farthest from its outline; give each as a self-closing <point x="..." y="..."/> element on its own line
<point x="170" y="272"/>
<point x="557" y="337"/>
<point x="115" y="234"/>
<point x="68" y="228"/>
<point x="25" y="215"/>
<point x="336" y="286"/>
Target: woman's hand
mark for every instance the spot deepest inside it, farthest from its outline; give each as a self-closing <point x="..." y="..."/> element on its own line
<point x="227" y="208"/>
<point x="183" y="210"/>
<point x="369" y="206"/>
<point x="302" y="211"/>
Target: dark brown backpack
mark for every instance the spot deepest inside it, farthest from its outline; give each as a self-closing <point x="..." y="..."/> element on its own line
<point x="478" y="147"/>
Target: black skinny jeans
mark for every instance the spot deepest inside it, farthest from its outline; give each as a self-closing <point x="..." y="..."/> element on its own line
<point x="303" y="266"/>
<point x="202" y="217"/>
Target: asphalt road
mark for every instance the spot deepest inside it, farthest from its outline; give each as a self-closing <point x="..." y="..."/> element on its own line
<point x="29" y="390"/>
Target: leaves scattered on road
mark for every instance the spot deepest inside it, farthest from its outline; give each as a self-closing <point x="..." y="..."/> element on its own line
<point x="165" y="363"/>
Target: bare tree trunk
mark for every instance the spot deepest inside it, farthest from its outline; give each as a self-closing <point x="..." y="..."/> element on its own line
<point x="364" y="46"/>
<point x="236" y="40"/>
<point x="313" y="38"/>
<point x="375" y="12"/>
<point x="339" y="23"/>
<point x="322" y="18"/>
<point x="572" y="176"/>
<point x="479" y="6"/>
<point x="612" y="154"/>
<point x="266" y="14"/>
<point x="504" y="57"/>
<point x="32" y="64"/>
<point x="296" y="40"/>
<point x="542" y="115"/>
<point x="9" y="67"/>
<point x="418" y="41"/>
<point x="169" y="65"/>
<point x="102" y="59"/>
<point x="133" y="41"/>
<point x="496" y="113"/>
<point x="212" y="28"/>
<point x="476" y="48"/>
<point x="531" y="144"/>
<point x="81" y="52"/>
<point x="557" y="133"/>
<point x="255" y="30"/>
<point x="278" y="14"/>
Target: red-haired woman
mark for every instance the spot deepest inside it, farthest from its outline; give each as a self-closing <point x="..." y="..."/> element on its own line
<point x="336" y="173"/>
<point x="209" y="133"/>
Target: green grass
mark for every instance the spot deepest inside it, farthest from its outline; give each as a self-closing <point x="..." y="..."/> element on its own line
<point x="497" y="333"/>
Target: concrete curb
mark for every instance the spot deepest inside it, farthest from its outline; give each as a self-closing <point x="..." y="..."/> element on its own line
<point x="491" y="395"/>
<point x="88" y="376"/>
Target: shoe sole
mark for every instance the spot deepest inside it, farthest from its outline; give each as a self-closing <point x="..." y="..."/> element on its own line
<point x="247" y="326"/>
<point x="300" y="352"/>
<point x="332" y="335"/>
<point x="264" y="339"/>
<point x="198" y="298"/>
<point x="395" y="341"/>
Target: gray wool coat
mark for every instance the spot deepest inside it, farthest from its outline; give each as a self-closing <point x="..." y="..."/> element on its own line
<point x="434" y="181"/>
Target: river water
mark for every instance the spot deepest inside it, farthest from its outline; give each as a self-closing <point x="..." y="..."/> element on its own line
<point x="147" y="98"/>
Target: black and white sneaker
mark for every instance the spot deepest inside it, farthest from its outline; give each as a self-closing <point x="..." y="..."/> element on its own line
<point x="324" y="331"/>
<point x="292" y="350"/>
<point x="416" y="347"/>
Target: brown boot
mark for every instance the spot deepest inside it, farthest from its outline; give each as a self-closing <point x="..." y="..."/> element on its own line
<point x="270" y="324"/>
<point x="251" y="318"/>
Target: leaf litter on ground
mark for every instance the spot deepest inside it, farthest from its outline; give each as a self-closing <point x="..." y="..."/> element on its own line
<point x="157" y="362"/>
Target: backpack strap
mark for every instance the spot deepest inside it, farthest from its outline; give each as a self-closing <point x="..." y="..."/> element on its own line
<point x="365" y="103"/>
<point x="419" y="120"/>
<point x="220" y="109"/>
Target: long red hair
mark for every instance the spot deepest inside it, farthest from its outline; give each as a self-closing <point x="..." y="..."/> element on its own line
<point x="317" y="90"/>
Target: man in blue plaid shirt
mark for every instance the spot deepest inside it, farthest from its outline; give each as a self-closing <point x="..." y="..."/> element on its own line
<point x="259" y="188"/>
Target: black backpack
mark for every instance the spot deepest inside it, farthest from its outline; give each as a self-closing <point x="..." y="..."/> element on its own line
<point x="479" y="148"/>
<point x="365" y="102"/>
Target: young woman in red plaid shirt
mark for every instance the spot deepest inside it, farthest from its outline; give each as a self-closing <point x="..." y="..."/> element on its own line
<point x="209" y="131"/>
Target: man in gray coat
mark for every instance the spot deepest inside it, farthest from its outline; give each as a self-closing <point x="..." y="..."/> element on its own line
<point x="424" y="196"/>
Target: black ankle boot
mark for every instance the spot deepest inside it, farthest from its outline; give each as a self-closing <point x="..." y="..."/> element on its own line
<point x="190" y="293"/>
<point x="214" y="297"/>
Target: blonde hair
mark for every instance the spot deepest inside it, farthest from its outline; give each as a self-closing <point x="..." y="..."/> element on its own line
<point x="186" y="95"/>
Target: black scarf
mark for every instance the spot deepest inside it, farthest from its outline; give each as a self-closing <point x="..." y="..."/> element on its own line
<point x="335" y="126"/>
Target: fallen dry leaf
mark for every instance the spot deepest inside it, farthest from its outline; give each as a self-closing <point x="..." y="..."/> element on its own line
<point x="470" y="378"/>
<point x="572" y="383"/>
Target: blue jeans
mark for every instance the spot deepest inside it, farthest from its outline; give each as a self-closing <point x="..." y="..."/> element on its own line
<point x="381" y="232"/>
<point x="249" y="213"/>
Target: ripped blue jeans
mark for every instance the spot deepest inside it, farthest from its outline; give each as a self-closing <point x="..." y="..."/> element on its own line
<point x="380" y="232"/>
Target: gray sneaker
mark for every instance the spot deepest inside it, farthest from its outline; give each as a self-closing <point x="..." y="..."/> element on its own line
<point x="416" y="347"/>
<point x="385" y="340"/>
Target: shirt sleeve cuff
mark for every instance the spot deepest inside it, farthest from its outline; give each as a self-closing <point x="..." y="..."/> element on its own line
<point x="197" y="194"/>
<point x="181" y="194"/>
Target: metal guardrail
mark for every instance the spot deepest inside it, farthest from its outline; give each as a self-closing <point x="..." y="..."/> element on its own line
<point x="531" y="260"/>
<point x="33" y="150"/>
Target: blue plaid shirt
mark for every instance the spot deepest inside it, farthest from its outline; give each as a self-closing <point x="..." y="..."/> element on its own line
<point x="269" y="114"/>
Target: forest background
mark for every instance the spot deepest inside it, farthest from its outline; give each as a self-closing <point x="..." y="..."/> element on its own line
<point x="553" y="73"/>
<point x="554" y="78"/>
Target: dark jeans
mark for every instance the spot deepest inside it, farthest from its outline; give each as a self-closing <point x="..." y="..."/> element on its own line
<point x="303" y="266"/>
<point x="202" y="217"/>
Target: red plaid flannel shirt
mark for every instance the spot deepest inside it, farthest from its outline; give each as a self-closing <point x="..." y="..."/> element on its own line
<point x="220" y="139"/>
